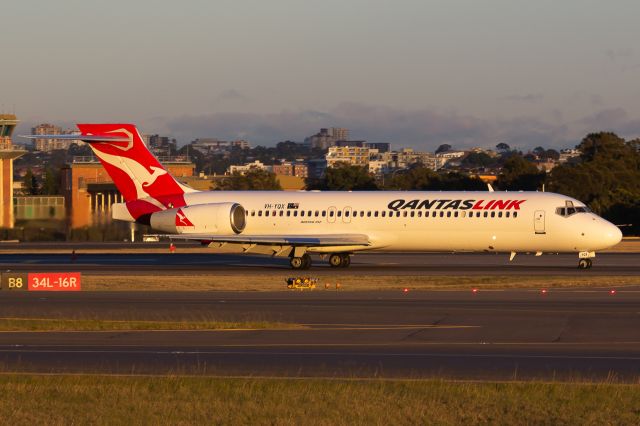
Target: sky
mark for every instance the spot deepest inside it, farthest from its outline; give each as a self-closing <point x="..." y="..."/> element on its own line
<point x="416" y="73"/>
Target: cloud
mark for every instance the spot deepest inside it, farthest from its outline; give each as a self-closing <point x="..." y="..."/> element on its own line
<point x="615" y="120"/>
<point x="528" y="98"/>
<point x="232" y="95"/>
<point x="423" y="129"/>
<point x="620" y="54"/>
<point x="418" y="128"/>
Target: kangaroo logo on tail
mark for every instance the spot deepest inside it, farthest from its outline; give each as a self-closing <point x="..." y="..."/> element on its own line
<point x="144" y="183"/>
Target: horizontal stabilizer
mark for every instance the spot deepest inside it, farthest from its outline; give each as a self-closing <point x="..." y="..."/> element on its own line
<point x="84" y="138"/>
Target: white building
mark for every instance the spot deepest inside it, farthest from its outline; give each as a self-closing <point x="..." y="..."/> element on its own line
<point x="353" y="155"/>
<point x="248" y="166"/>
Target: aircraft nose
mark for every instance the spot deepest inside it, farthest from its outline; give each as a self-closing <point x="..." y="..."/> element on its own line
<point x="612" y="234"/>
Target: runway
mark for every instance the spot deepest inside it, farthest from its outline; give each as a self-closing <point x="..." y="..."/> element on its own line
<point x="362" y="263"/>
<point x="519" y="334"/>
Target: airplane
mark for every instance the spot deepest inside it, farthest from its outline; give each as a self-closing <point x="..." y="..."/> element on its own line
<point x="336" y="225"/>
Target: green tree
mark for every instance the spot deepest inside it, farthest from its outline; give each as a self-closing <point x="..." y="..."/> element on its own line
<point x="503" y="147"/>
<point x="345" y="177"/>
<point x="420" y="178"/>
<point x="607" y="178"/>
<point x="443" y="148"/>
<point x="479" y="159"/>
<point x="415" y="178"/>
<point x="30" y="183"/>
<point x="51" y="182"/>
<point x="520" y="174"/>
<point x="253" y="180"/>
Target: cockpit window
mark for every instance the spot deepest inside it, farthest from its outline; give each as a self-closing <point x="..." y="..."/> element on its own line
<point x="570" y="210"/>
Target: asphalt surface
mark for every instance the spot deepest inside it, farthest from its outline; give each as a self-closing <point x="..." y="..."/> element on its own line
<point x="587" y="334"/>
<point x="362" y="263"/>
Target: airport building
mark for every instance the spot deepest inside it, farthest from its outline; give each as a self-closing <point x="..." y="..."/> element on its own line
<point x="89" y="192"/>
<point x="8" y="153"/>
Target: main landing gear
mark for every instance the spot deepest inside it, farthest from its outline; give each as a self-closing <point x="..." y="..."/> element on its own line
<point x="340" y="260"/>
<point x="336" y="260"/>
<point x="303" y="262"/>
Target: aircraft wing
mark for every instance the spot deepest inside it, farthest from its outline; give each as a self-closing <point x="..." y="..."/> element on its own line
<point x="309" y="240"/>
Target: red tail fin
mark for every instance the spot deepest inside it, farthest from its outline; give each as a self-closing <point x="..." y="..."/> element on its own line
<point x="134" y="169"/>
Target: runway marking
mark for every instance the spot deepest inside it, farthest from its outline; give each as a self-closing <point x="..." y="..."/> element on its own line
<point x="305" y="327"/>
<point x="365" y="354"/>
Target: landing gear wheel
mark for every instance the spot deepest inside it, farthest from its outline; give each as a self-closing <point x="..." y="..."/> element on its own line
<point x="335" y="260"/>
<point x="346" y="260"/>
<point x="306" y="261"/>
<point x="584" y="263"/>
<point x="296" y="263"/>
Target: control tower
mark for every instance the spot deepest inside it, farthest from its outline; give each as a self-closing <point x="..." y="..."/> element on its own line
<point x="8" y="153"/>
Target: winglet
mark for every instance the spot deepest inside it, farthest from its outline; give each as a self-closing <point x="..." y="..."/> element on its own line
<point x="490" y="187"/>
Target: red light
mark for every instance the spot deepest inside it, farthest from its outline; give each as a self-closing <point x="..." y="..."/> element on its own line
<point x="544" y="291"/>
<point x="474" y="290"/>
<point x="612" y="292"/>
<point x="406" y="290"/>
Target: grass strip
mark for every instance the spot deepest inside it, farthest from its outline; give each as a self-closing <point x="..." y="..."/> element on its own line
<point x="60" y="324"/>
<point x="131" y="400"/>
<point x="275" y="282"/>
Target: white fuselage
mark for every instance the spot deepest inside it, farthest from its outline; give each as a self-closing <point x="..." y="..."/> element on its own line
<point x="425" y="221"/>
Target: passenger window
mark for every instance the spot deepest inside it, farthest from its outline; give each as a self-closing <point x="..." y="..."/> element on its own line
<point x="404" y="213"/>
<point x="369" y="214"/>
<point x="346" y="214"/>
<point x="362" y="213"/>
<point x="375" y="213"/>
<point x="259" y="212"/>
<point x="515" y="214"/>
<point x="309" y="213"/>
<point x="339" y="213"/>
<point x="324" y="213"/>
<point x="448" y="214"/>
<point x="281" y="213"/>
<point x="499" y="214"/>
<point x="398" y="214"/>
<point x="493" y="214"/>
<point x="288" y="213"/>
<point x="253" y="212"/>
<point x="486" y="214"/>
<point x="455" y="214"/>
<point x="295" y="213"/>
<point x="331" y="213"/>
<point x="317" y="213"/>
<point x="426" y="214"/>
<point x="383" y="213"/>
<point x="441" y="214"/>
<point x="420" y="214"/>
<point x="301" y="213"/>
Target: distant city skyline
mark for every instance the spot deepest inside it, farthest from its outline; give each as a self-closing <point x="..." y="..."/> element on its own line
<point x="413" y="73"/>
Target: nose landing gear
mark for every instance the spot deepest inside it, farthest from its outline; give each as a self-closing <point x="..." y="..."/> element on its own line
<point x="585" y="261"/>
<point x="585" y="264"/>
